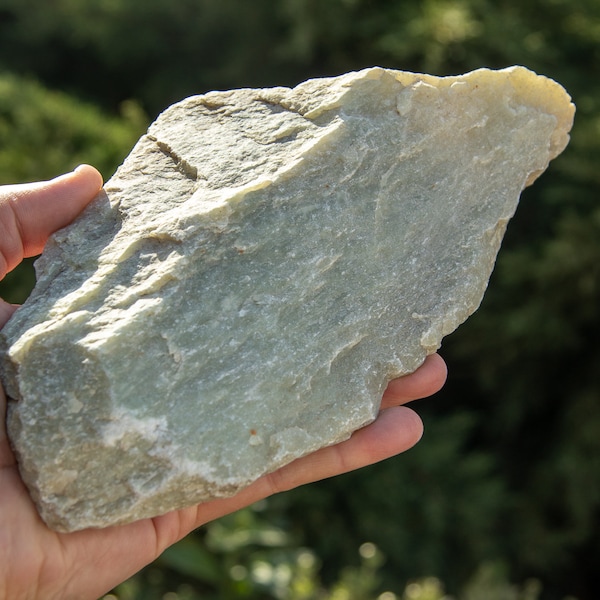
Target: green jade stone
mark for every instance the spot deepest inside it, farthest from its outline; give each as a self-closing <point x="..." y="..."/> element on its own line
<point x="248" y="282"/>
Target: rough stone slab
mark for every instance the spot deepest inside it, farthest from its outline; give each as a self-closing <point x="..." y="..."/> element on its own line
<point x="261" y="265"/>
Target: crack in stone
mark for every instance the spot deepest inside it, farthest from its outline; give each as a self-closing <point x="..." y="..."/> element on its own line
<point x="183" y="166"/>
<point x="277" y="104"/>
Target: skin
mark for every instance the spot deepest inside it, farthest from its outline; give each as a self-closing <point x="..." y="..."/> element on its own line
<point x="37" y="563"/>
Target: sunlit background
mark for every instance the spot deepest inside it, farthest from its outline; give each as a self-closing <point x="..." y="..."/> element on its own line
<point x="501" y="499"/>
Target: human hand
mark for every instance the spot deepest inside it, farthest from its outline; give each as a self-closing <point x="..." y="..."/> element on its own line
<point x="37" y="563"/>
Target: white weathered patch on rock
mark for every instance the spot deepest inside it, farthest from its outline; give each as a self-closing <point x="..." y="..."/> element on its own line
<point x="257" y="270"/>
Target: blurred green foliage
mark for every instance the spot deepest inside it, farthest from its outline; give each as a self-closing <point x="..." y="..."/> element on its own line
<point x="43" y="132"/>
<point x="501" y="500"/>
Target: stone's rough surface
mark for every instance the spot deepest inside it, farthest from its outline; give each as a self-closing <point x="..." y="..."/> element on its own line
<point x="253" y="275"/>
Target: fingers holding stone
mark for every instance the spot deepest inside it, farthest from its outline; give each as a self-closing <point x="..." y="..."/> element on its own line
<point x="395" y="430"/>
<point x="425" y="381"/>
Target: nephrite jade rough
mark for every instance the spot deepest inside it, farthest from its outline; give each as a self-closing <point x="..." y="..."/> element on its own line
<point x="253" y="275"/>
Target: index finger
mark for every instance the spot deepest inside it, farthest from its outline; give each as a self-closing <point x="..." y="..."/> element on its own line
<point x="428" y="379"/>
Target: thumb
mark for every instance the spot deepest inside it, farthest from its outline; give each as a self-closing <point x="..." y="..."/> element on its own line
<point x="30" y="212"/>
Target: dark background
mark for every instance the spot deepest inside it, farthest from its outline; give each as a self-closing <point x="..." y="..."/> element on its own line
<point x="501" y="498"/>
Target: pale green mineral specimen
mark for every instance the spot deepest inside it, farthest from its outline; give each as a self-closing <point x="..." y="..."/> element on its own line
<point x="253" y="275"/>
